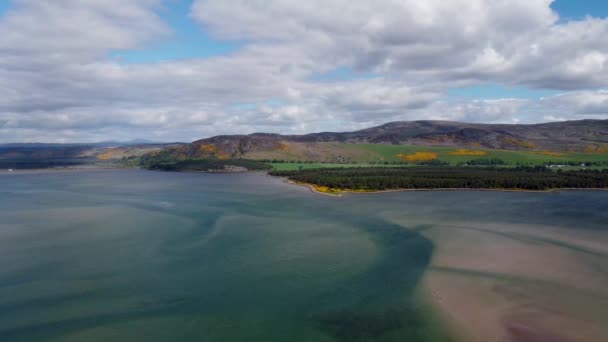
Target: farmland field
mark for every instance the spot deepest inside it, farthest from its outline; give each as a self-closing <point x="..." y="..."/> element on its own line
<point x="390" y="153"/>
<point x="375" y="155"/>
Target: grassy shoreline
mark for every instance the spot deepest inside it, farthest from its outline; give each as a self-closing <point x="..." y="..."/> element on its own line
<point x="341" y="192"/>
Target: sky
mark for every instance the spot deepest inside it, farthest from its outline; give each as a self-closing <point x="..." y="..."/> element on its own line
<point x="181" y="70"/>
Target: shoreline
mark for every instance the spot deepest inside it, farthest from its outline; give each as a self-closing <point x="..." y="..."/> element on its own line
<point x="341" y="192"/>
<point x="312" y="188"/>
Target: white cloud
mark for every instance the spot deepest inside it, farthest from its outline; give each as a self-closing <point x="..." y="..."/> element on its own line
<point x="582" y="104"/>
<point x="58" y="80"/>
<point x="61" y="31"/>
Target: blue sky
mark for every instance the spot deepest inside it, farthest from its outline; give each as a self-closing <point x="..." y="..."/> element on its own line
<point x="167" y="70"/>
<point x="577" y="9"/>
<point x="566" y="8"/>
<point x="4" y="6"/>
<point x="190" y="41"/>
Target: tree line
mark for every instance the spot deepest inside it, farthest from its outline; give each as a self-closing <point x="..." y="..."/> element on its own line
<point x="208" y="165"/>
<point x="426" y="177"/>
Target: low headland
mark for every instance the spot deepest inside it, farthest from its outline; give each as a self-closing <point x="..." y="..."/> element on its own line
<point x="337" y="181"/>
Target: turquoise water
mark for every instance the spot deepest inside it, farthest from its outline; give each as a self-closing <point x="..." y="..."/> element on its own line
<point x="138" y="255"/>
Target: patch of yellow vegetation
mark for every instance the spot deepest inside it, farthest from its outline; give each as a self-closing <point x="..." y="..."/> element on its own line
<point x="327" y="190"/>
<point x="418" y="156"/>
<point x="321" y="188"/>
<point x="207" y="148"/>
<point x="551" y="154"/>
<point x="596" y="149"/>
<point x="466" y="152"/>
<point x="283" y="147"/>
<point x="107" y="155"/>
<point x="222" y="156"/>
<point x="519" y="143"/>
<point x="475" y="144"/>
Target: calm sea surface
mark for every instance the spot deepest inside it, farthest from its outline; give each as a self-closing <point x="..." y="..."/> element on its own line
<point x="150" y="256"/>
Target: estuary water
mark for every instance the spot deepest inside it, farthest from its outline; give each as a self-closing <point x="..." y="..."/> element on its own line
<point x="129" y="255"/>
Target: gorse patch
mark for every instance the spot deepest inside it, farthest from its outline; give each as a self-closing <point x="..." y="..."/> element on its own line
<point x="596" y="149"/>
<point x="207" y="148"/>
<point x="518" y="142"/>
<point x="466" y="152"/>
<point x="418" y="156"/>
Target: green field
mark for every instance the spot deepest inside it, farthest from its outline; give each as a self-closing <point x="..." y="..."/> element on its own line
<point x="389" y="153"/>
<point x="374" y="155"/>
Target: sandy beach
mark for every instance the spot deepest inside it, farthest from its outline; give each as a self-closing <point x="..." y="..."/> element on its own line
<point x="519" y="283"/>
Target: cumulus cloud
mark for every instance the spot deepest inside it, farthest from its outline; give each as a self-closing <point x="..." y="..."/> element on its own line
<point x="52" y="32"/>
<point x="518" y="41"/>
<point x="59" y="81"/>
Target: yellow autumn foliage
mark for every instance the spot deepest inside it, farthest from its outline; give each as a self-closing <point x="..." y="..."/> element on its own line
<point x="322" y="188"/>
<point x="207" y="148"/>
<point x="517" y="142"/>
<point x="596" y="149"/>
<point x="465" y="152"/>
<point x="109" y="154"/>
<point x="418" y="156"/>
<point x="222" y="156"/>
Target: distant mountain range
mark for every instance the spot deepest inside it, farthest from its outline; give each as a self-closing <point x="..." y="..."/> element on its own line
<point x="584" y="136"/>
<point x="41" y="155"/>
<point x="134" y="142"/>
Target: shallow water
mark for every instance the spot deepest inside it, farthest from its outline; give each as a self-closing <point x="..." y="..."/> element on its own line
<point x="134" y="255"/>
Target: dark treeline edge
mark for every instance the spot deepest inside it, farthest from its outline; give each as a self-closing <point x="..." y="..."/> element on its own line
<point x="374" y="179"/>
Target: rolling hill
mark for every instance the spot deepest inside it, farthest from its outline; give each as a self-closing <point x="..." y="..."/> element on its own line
<point x="582" y="137"/>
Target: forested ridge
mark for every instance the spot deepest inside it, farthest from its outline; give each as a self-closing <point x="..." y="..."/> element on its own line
<point x="208" y="165"/>
<point x="525" y="178"/>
